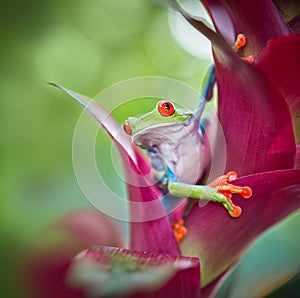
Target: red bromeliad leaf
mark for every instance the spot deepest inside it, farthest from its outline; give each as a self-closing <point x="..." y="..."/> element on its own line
<point x="147" y="212"/>
<point x="249" y="102"/>
<point x="102" y="116"/>
<point x="253" y="113"/>
<point x="219" y="240"/>
<point x="256" y="120"/>
<point x="280" y="61"/>
<point x="239" y="16"/>
<point x="113" y="272"/>
<point x="297" y="163"/>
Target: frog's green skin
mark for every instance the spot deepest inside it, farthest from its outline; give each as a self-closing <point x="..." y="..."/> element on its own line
<point x="178" y="142"/>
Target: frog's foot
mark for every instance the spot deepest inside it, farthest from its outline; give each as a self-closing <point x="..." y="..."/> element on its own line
<point x="179" y="230"/>
<point x="240" y="42"/>
<point x="225" y="190"/>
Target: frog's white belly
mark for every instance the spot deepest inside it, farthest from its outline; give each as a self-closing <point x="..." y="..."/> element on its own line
<point x="186" y="158"/>
<point x="191" y="164"/>
<point x="181" y="146"/>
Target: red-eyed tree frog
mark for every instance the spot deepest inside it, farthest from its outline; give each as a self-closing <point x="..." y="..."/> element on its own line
<point x="174" y="142"/>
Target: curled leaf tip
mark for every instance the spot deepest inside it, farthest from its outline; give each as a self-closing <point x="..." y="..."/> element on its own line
<point x="82" y="99"/>
<point x="103" y="117"/>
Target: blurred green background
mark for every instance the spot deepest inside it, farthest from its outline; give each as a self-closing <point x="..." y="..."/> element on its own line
<point x="86" y="46"/>
<point x="83" y="45"/>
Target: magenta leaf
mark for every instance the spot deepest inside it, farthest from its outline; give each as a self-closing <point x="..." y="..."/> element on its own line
<point x="103" y="117"/>
<point x="258" y="20"/>
<point x="113" y="272"/>
<point x="219" y="240"/>
<point x="146" y="211"/>
<point x="252" y="110"/>
<point x="280" y="61"/>
<point x="297" y="163"/>
<point x="256" y="120"/>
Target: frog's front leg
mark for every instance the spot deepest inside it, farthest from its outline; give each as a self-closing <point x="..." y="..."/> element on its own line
<point x="220" y="190"/>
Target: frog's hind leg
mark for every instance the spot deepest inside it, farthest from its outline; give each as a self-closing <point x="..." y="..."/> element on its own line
<point x="220" y="190"/>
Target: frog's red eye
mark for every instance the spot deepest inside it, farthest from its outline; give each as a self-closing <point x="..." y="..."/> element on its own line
<point x="127" y="127"/>
<point x="166" y="108"/>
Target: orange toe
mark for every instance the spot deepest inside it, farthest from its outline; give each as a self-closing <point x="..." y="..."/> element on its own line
<point x="179" y="230"/>
<point x="223" y="186"/>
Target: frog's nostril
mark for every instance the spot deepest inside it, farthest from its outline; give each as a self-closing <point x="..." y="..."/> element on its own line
<point x="127" y="127"/>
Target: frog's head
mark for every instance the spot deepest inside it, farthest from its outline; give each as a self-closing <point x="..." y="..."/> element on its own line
<point x="165" y="119"/>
